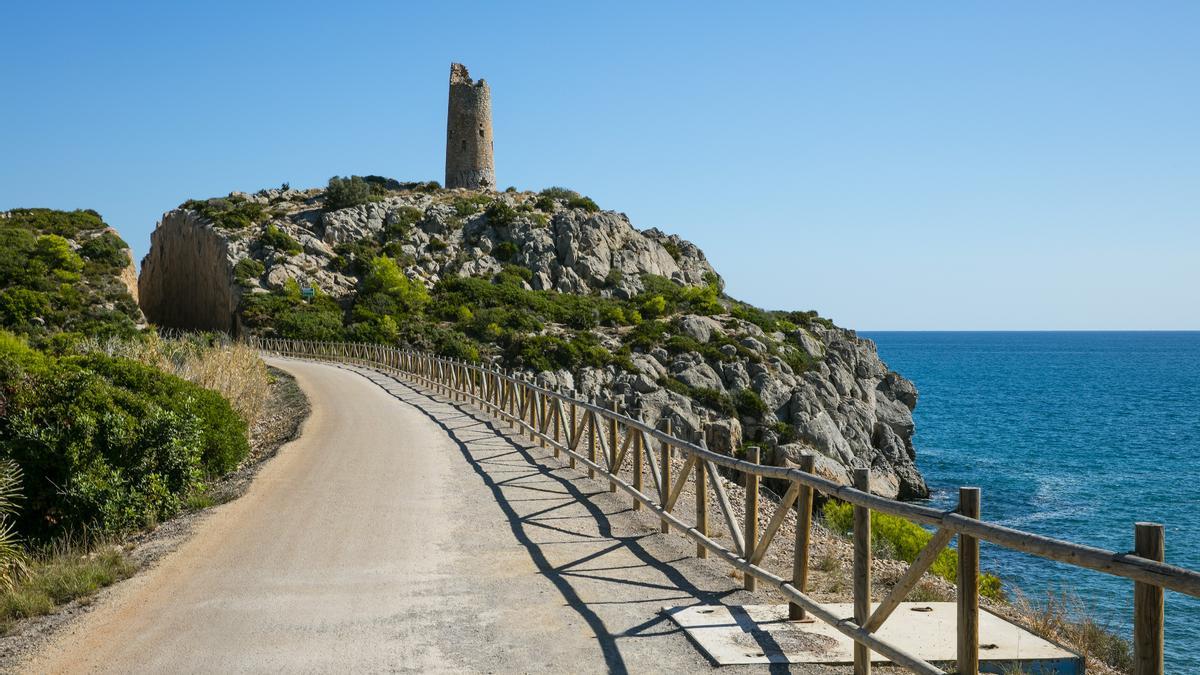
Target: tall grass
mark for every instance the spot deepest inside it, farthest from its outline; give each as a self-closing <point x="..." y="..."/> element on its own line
<point x="59" y="573"/>
<point x="214" y="362"/>
<point x="1064" y="617"/>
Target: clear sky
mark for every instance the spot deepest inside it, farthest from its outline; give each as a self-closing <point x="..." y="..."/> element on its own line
<point x="894" y="165"/>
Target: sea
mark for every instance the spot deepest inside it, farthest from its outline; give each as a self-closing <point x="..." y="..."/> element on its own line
<point x="1073" y="435"/>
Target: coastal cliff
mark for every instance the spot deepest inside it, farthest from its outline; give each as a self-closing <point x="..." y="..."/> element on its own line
<point x="547" y="283"/>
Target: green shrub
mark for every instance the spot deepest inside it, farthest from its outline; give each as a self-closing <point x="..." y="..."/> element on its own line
<point x="343" y="193"/>
<point x="584" y="203"/>
<point x="545" y="204"/>
<point x="436" y="244"/>
<point x="500" y="214"/>
<point x="469" y="206"/>
<point x="559" y="193"/>
<point x="905" y="539"/>
<point x="399" y="226"/>
<point x="230" y="213"/>
<point x="108" y="442"/>
<point x="785" y="432"/>
<point x="280" y="240"/>
<point x="505" y="251"/>
<point x="385" y="277"/>
<point x="654" y="306"/>
<point x="247" y="270"/>
<point x="672" y="250"/>
<point x="749" y="403"/>
<point x="514" y="275"/>
<point x="107" y="249"/>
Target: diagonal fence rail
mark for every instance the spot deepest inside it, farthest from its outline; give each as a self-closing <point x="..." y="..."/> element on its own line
<point x="605" y="441"/>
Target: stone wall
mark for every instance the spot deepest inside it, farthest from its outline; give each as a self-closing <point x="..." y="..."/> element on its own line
<point x="469" y="161"/>
<point x="187" y="277"/>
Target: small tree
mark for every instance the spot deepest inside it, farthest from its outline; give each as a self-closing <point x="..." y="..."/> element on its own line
<point x="345" y="192"/>
<point x="385" y="276"/>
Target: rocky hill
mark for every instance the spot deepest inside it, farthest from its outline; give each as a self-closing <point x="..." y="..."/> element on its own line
<point x="545" y="282"/>
<point x="65" y="272"/>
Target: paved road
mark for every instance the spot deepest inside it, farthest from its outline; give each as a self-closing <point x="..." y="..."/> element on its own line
<point x="403" y="533"/>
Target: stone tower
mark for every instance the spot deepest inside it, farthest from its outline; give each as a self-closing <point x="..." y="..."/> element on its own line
<point x="469" y="162"/>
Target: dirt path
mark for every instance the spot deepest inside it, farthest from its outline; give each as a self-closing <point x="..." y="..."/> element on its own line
<point x="403" y="533"/>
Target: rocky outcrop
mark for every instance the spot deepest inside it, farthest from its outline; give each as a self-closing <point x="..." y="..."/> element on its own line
<point x="848" y="410"/>
<point x="187" y="277"/>
<point x="811" y="388"/>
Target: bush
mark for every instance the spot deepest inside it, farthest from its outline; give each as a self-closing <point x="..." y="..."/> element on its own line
<point x="500" y="214"/>
<point x="654" y="306"/>
<point x="400" y="225"/>
<point x="385" y="277"/>
<point x="247" y="270"/>
<point x="108" y="442"/>
<point x="505" y="251"/>
<point x="672" y="250"/>
<point x="343" y="193"/>
<point x="584" y="203"/>
<point x="107" y="249"/>
<point x="906" y="539"/>
<point x="230" y="213"/>
<point x="469" y="206"/>
<point x="559" y="193"/>
<point x="749" y="403"/>
<point x="280" y="240"/>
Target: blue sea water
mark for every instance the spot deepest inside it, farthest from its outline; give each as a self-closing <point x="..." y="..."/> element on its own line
<point x="1075" y="435"/>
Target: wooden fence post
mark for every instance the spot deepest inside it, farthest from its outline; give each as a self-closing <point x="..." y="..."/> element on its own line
<point x="637" y="460"/>
<point x="862" y="570"/>
<point x="1148" y="604"/>
<point x="572" y="441"/>
<point x="968" y="586"/>
<point x="541" y="424"/>
<point x="591" y="425"/>
<point x="701" y="502"/>
<point x="665" y="526"/>
<point x="804" y="506"/>
<point x="750" y="530"/>
<point x="557" y="411"/>
<point x="612" y="446"/>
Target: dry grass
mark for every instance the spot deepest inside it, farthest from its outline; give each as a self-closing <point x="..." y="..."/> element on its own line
<point x="214" y="362"/>
<point x="59" y="574"/>
<point x="1065" y="618"/>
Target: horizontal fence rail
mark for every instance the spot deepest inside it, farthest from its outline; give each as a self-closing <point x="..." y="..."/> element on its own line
<point x="591" y="435"/>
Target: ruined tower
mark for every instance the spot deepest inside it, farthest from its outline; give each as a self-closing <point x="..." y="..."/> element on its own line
<point x="469" y="162"/>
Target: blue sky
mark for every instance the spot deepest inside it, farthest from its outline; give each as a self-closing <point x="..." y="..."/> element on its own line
<point x="893" y="165"/>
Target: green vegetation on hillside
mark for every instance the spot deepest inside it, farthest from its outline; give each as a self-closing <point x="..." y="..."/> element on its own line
<point x="472" y="318"/>
<point x="48" y="286"/>
<point x="231" y="213"/>
<point x="105" y="435"/>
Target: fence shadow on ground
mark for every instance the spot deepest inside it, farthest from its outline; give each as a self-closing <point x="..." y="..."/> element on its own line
<point x="490" y="464"/>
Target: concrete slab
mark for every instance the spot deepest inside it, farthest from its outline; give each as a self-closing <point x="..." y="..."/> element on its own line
<point x="748" y="634"/>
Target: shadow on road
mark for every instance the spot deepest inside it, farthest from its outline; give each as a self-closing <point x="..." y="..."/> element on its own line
<point x="510" y="468"/>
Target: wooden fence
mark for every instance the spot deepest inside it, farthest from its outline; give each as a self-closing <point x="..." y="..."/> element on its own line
<point x="606" y="440"/>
